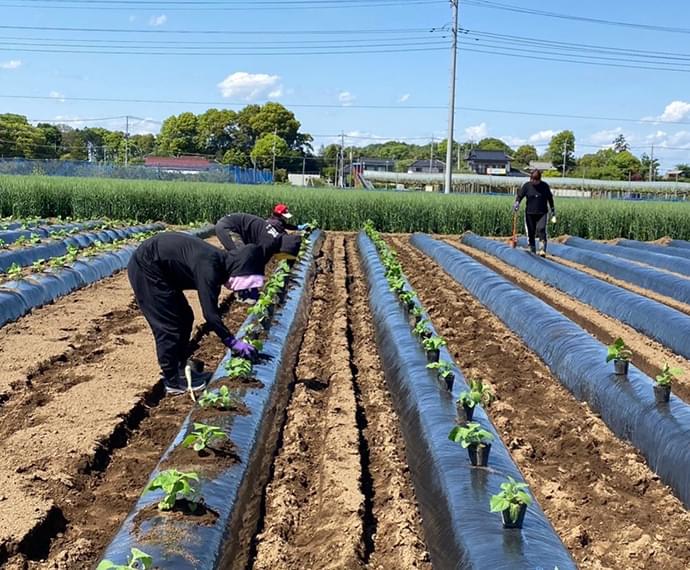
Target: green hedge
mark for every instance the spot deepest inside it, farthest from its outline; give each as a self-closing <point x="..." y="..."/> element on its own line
<point x="181" y="203"/>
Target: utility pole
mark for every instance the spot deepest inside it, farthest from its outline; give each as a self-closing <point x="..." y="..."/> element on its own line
<point x="126" y="140"/>
<point x="304" y="170"/>
<point x="451" y="104"/>
<point x="651" y="166"/>
<point x="431" y="155"/>
<point x="273" y="168"/>
<point x="565" y="156"/>
<point x="342" y="159"/>
<point x="337" y="169"/>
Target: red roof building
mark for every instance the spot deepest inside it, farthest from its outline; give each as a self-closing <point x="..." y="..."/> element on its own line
<point x="186" y="163"/>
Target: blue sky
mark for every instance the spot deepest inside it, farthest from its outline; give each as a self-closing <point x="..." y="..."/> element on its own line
<point x="397" y="81"/>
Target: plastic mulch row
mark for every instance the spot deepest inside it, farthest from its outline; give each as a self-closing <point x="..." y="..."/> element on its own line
<point x="665" y="324"/>
<point x="626" y="404"/>
<point x="453" y="497"/>
<point x="655" y="248"/>
<point x="10" y="236"/>
<point x="234" y="494"/>
<point x="17" y="298"/>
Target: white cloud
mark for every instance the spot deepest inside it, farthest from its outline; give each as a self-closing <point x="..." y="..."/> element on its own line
<point x="605" y="138"/>
<point x="11" y="64"/>
<point x="675" y="111"/>
<point x="346" y="98"/>
<point x="158" y="20"/>
<point x="250" y="86"/>
<point x="136" y="127"/>
<point x="477" y="132"/>
<point x="57" y="95"/>
<point x="404" y="98"/>
<point x="542" y="136"/>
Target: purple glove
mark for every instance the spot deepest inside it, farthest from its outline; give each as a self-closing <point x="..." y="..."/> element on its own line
<point x="240" y="348"/>
<point x="516" y="207"/>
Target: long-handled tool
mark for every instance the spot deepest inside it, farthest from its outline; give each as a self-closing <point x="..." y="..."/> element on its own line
<point x="513" y="240"/>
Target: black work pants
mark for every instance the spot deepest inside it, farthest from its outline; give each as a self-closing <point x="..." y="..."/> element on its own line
<point x="536" y="228"/>
<point x="166" y="310"/>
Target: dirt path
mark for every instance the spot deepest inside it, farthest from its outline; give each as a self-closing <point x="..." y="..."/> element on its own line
<point x="335" y="501"/>
<point x="83" y="425"/>
<point x="608" y="506"/>
<point x="649" y="355"/>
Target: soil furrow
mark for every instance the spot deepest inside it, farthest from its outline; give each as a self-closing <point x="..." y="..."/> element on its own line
<point x="608" y="506"/>
<point x="314" y="503"/>
<point x="397" y="536"/>
<point x="649" y="355"/>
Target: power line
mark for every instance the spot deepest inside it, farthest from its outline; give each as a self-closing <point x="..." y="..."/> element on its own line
<point x="240" y="7"/>
<point x="227" y="104"/>
<point x="223" y="32"/>
<point x="574" y="18"/>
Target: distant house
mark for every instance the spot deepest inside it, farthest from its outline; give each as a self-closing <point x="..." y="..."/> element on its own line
<point x="493" y="162"/>
<point x="541" y="165"/>
<point x="186" y="164"/>
<point x="427" y="166"/>
<point x="371" y="164"/>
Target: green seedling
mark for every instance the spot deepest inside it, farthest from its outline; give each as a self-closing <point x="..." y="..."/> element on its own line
<point x="511" y="497"/>
<point x="15" y="271"/>
<point x="417" y="311"/>
<point x="72" y="254"/>
<point x="21" y="241"/>
<point x="239" y="367"/>
<point x="34" y="239"/>
<point x="257" y="343"/>
<point x="442" y="367"/>
<point x="421" y="327"/>
<point x="176" y="485"/>
<point x="202" y="436"/>
<point x="3" y="245"/>
<point x="407" y="297"/>
<point x="619" y="351"/>
<point x="138" y="560"/>
<point x="471" y="434"/>
<point x="223" y="399"/>
<point x="433" y="343"/>
<point x="668" y="375"/>
<point x="38" y="266"/>
<point x="477" y="395"/>
<point x="396" y="284"/>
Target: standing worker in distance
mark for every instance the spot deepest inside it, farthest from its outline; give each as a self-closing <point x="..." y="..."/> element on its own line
<point x="539" y="202"/>
<point x="169" y="263"/>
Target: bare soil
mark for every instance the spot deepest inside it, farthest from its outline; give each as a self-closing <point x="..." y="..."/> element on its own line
<point x="83" y="422"/>
<point x="649" y="355"/>
<point x="340" y="495"/>
<point x="610" y="509"/>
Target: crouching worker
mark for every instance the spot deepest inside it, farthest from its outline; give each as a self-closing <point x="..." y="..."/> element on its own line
<point x="234" y="230"/>
<point x="166" y="265"/>
<point x="539" y="201"/>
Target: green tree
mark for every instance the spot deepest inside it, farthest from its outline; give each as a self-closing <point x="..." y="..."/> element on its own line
<point x="562" y="146"/>
<point x="627" y="164"/>
<point x="650" y="167"/>
<point x="494" y="144"/>
<point x="524" y="155"/>
<point x="266" y="147"/>
<point x="18" y="138"/>
<point x="684" y="170"/>
<point x="179" y="135"/>
<point x="217" y="131"/>
<point x="620" y="144"/>
<point x="236" y="157"/>
<point x="53" y="140"/>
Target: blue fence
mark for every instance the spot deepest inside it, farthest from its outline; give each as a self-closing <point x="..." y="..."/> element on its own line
<point x="78" y="168"/>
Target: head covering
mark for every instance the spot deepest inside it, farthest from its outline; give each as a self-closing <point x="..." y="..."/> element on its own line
<point x="247" y="260"/>
<point x="282" y="211"/>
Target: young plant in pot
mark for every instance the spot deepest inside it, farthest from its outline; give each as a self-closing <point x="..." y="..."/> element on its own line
<point x="422" y="329"/>
<point x="662" y="387"/>
<point x="475" y="440"/>
<point x="478" y="395"/>
<point x="416" y="314"/>
<point x="407" y="299"/>
<point x="444" y="371"/>
<point x="433" y="345"/>
<point x="621" y="355"/>
<point x="512" y="502"/>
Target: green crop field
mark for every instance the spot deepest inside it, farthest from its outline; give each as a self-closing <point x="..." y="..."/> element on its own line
<point x="182" y="202"/>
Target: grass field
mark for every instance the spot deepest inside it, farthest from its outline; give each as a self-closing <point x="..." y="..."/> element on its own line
<point x="182" y="202"/>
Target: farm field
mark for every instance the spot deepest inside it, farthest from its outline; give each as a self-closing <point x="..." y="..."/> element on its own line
<point x="341" y="477"/>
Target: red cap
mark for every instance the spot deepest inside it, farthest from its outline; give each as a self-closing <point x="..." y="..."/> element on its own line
<point x="282" y="210"/>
